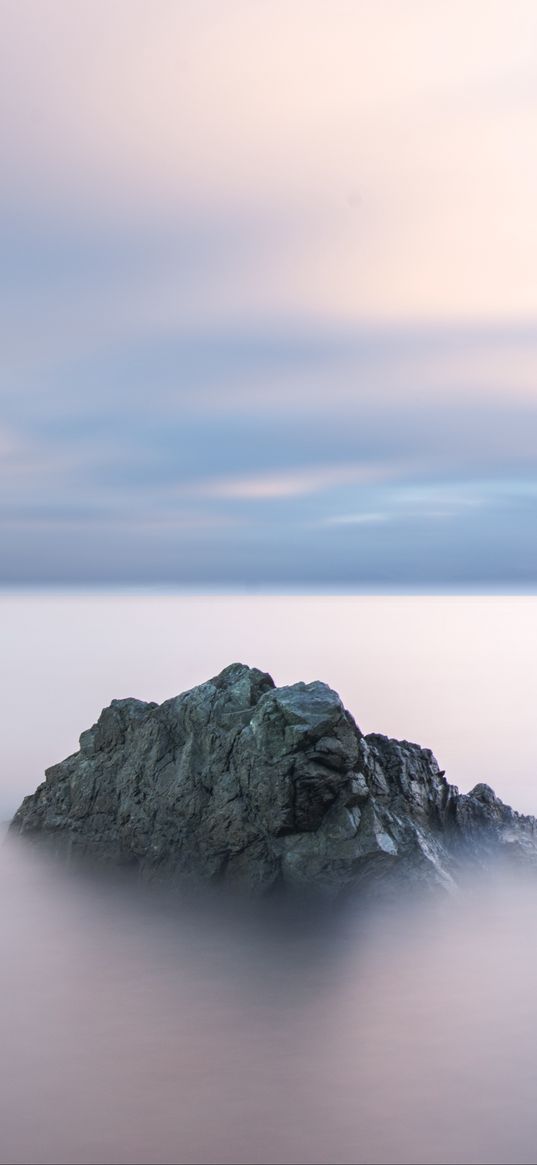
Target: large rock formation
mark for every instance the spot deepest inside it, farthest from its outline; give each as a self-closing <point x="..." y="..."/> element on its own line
<point x="260" y="787"/>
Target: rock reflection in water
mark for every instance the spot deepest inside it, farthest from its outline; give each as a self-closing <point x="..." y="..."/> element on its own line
<point x="132" y="1034"/>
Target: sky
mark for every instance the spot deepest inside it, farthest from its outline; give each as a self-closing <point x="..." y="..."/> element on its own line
<point x="268" y="294"/>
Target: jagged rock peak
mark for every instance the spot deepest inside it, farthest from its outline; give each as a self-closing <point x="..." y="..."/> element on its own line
<point x="238" y="781"/>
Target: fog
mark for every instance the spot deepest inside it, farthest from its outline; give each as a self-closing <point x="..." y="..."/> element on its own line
<point x="136" y="1033"/>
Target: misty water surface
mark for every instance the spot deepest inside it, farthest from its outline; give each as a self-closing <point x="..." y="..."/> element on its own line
<point x="134" y="1033"/>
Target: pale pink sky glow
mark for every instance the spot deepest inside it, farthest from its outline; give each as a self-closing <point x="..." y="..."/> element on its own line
<point x="280" y="113"/>
<point x="267" y="264"/>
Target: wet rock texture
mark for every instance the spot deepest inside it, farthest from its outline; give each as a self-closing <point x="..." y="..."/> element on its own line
<point x="265" y="788"/>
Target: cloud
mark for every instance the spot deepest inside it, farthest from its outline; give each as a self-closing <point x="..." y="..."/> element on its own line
<point x="267" y="290"/>
<point x="365" y="518"/>
<point x="293" y="483"/>
<point x="179" y="446"/>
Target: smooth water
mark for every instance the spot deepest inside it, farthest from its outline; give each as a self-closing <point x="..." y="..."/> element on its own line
<point x="130" y="1033"/>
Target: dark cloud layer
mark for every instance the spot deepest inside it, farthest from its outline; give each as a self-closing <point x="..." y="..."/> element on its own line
<point x="275" y="455"/>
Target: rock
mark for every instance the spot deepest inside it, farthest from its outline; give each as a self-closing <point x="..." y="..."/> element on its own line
<point x="264" y="788"/>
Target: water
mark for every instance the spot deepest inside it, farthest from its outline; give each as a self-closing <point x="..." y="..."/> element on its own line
<point x="131" y="1034"/>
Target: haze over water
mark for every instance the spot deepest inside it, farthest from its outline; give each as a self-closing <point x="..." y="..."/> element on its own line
<point x="131" y="1035"/>
<point x="134" y="1034"/>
